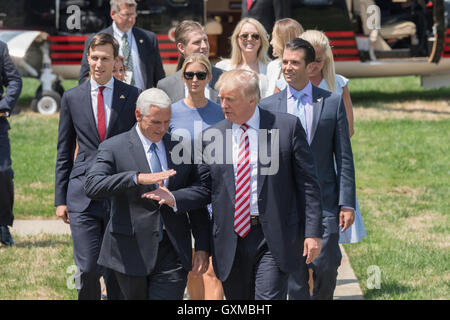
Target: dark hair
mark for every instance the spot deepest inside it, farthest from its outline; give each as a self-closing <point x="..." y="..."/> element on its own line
<point x="101" y="39"/>
<point x="300" y="44"/>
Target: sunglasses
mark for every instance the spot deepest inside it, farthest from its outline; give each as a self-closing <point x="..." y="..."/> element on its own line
<point x="200" y="75"/>
<point x="253" y="36"/>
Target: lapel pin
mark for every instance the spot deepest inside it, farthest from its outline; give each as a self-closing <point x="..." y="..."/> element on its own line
<point x="141" y="41"/>
<point x="122" y="97"/>
<point x="319" y="99"/>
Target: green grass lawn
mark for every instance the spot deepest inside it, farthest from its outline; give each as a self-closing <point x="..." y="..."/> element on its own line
<point x="403" y="186"/>
<point x="37" y="267"/>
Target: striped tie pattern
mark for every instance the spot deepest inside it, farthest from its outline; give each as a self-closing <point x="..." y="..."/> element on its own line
<point x="126" y="52"/>
<point x="242" y="203"/>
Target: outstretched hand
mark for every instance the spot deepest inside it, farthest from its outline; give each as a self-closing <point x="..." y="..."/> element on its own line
<point x="162" y="195"/>
<point x="153" y="178"/>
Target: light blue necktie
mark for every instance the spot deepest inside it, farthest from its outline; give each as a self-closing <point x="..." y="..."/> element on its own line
<point x="156" y="167"/>
<point x="300" y="111"/>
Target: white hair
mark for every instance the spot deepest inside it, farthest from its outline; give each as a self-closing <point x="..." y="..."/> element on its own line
<point x="115" y="4"/>
<point x="152" y="97"/>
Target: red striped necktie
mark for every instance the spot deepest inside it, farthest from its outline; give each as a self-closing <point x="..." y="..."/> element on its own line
<point x="242" y="204"/>
<point x="101" y="123"/>
<point x="249" y="4"/>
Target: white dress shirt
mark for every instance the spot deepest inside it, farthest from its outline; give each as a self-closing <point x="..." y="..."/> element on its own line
<point x="137" y="74"/>
<point x="252" y="132"/>
<point x="107" y="98"/>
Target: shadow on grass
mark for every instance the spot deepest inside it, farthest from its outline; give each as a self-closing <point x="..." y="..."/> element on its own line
<point x="28" y="244"/>
<point x="388" y="290"/>
<point x="371" y="96"/>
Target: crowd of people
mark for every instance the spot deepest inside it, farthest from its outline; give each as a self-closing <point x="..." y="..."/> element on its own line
<point x="163" y="179"/>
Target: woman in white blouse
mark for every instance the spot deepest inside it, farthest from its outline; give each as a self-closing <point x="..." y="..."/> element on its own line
<point x="284" y="31"/>
<point x="249" y="46"/>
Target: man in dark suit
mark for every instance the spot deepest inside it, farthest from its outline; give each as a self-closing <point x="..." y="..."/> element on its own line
<point x="139" y="47"/>
<point x="11" y="80"/>
<point x="253" y="180"/>
<point x="91" y="112"/>
<point x="146" y="244"/>
<point x="266" y="11"/>
<point x="323" y="118"/>
<point x="190" y="37"/>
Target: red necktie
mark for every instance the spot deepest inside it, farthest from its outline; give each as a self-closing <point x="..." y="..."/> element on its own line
<point x="101" y="123"/>
<point x="249" y="4"/>
<point x="242" y="204"/>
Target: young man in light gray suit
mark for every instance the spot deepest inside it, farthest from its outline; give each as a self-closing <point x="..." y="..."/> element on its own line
<point x="190" y="37"/>
<point x="323" y="118"/>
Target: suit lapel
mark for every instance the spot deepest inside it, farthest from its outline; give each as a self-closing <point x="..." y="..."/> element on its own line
<point x="137" y="151"/>
<point x="140" y="43"/>
<point x="86" y="104"/>
<point x="265" y="126"/>
<point x="168" y="145"/>
<point x="228" y="168"/>
<point x="282" y="101"/>
<point x="317" y="110"/>
<point x="118" y="101"/>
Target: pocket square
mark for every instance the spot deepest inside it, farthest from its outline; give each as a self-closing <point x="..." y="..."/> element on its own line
<point x="122" y="97"/>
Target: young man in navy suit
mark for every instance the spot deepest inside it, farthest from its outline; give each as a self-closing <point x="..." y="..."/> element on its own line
<point x="139" y="47"/>
<point x="323" y="118"/>
<point x="90" y="113"/>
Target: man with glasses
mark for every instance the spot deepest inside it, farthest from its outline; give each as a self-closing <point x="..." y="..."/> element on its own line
<point x="139" y="47"/>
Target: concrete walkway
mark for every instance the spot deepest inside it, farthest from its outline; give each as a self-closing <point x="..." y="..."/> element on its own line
<point x="347" y="287"/>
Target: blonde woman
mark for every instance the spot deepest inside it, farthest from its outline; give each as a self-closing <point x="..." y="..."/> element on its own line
<point x="190" y="116"/>
<point x="284" y="31"/>
<point x="249" y="46"/>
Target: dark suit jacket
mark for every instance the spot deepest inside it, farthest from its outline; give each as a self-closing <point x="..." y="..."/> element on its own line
<point x="280" y="215"/>
<point x="11" y="80"/>
<point x="329" y="136"/>
<point x="267" y="11"/>
<point x="77" y="123"/>
<point x="173" y="85"/>
<point x="130" y="244"/>
<point x="150" y="59"/>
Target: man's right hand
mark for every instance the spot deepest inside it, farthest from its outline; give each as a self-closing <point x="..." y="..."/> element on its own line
<point x="153" y="178"/>
<point x="61" y="211"/>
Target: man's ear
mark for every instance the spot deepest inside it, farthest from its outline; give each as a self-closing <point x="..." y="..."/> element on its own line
<point x="112" y="13"/>
<point x="180" y="48"/>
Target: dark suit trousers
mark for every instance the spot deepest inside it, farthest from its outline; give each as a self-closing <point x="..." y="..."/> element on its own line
<point x="325" y="266"/>
<point x="87" y="230"/>
<point x="166" y="282"/>
<point x="6" y="181"/>
<point x="255" y="274"/>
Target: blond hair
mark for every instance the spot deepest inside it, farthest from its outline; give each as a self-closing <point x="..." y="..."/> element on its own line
<point x="284" y="31"/>
<point x="196" y="57"/>
<point x="245" y="80"/>
<point x="319" y="39"/>
<point x="236" y="55"/>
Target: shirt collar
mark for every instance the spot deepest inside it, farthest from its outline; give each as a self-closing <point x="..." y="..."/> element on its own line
<point x="307" y="90"/>
<point x="119" y="33"/>
<point x="147" y="143"/>
<point x="253" y="122"/>
<point x="95" y="85"/>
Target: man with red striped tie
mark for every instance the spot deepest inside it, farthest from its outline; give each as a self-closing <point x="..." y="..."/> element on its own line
<point x="253" y="180"/>
<point x="90" y="113"/>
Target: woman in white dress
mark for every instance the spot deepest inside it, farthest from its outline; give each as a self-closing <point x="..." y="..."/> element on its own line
<point x="322" y="74"/>
<point x="249" y="47"/>
<point x="284" y="31"/>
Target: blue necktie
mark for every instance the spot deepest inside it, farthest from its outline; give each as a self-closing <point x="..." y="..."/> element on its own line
<point x="156" y="167"/>
<point x="300" y="112"/>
